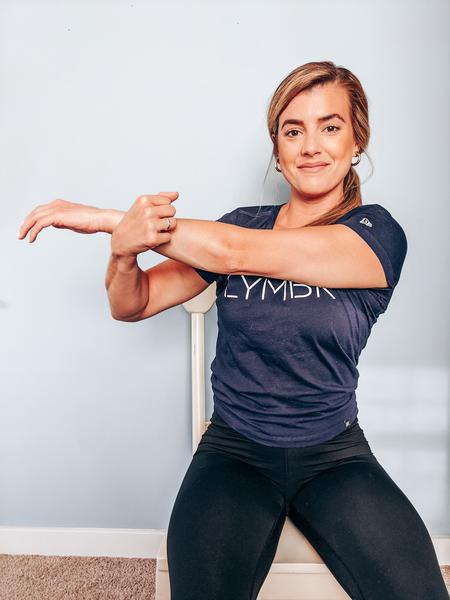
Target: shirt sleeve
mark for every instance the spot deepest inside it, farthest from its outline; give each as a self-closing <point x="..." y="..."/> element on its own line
<point x="384" y="235"/>
<point x="209" y="276"/>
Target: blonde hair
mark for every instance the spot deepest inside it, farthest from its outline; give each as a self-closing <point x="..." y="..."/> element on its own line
<point x="318" y="73"/>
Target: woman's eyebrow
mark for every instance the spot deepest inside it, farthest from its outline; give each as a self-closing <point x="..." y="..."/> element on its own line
<point x="319" y="120"/>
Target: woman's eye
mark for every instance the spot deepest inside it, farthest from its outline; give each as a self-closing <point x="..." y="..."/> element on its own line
<point x="335" y="127"/>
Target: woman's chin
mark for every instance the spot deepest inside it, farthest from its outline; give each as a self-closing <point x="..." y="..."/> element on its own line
<point x="312" y="191"/>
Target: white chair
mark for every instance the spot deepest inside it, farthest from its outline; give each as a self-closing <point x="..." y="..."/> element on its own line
<point x="297" y="571"/>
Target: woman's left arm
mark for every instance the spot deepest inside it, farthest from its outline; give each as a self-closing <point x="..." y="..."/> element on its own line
<point x="323" y="255"/>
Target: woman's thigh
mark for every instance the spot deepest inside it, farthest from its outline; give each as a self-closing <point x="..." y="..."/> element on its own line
<point x="368" y="533"/>
<point x="224" y="529"/>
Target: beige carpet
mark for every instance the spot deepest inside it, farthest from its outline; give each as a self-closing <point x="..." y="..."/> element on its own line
<point x="34" y="577"/>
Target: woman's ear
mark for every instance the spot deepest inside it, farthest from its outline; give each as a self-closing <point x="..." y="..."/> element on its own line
<point x="274" y="140"/>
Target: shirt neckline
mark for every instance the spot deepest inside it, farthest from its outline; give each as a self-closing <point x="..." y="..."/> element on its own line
<point x="277" y="208"/>
<point x="276" y="211"/>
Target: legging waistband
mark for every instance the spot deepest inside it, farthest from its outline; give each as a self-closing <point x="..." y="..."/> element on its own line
<point x="289" y="468"/>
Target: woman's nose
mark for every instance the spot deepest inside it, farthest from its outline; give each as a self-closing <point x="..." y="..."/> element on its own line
<point x="310" y="143"/>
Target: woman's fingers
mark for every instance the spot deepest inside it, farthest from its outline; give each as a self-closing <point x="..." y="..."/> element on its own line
<point x="166" y="224"/>
<point x="43" y="211"/>
<point x="29" y="221"/>
<point x="36" y="213"/>
<point x="80" y="218"/>
<point x="39" y="226"/>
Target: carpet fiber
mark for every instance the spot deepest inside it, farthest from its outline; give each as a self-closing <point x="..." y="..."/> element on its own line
<point x="32" y="577"/>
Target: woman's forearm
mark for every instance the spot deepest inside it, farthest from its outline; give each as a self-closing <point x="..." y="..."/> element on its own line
<point x="199" y="243"/>
<point x="127" y="287"/>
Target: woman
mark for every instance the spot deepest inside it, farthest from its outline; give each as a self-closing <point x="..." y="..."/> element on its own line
<point x="299" y="287"/>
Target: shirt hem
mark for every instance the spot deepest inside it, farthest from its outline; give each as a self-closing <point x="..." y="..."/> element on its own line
<point x="331" y="432"/>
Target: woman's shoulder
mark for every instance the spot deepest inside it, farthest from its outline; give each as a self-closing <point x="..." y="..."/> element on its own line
<point x="384" y="234"/>
<point x="376" y="211"/>
<point x="373" y="208"/>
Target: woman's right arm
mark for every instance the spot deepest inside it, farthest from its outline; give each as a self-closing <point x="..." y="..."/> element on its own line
<point x="127" y="287"/>
<point x="169" y="283"/>
<point x="135" y="295"/>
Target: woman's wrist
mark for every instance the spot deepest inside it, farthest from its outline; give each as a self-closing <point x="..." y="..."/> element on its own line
<point x="110" y="218"/>
<point x="125" y="263"/>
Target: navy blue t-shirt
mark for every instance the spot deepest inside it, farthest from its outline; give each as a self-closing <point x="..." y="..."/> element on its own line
<point x="285" y="371"/>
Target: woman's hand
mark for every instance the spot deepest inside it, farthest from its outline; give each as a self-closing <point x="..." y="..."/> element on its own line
<point x="144" y="226"/>
<point x="69" y="215"/>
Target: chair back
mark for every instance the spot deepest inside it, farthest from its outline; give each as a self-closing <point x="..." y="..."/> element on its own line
<point x="197" y="307"/>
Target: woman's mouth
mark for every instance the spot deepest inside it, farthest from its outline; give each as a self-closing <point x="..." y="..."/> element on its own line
<point x="308" y="169"/>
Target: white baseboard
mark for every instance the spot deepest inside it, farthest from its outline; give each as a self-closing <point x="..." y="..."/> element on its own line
<point x="80" y="541"/>
<point x="125" y="543"/>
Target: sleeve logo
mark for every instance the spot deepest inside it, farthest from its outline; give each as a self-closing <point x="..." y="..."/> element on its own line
<point x="365" y="221"/>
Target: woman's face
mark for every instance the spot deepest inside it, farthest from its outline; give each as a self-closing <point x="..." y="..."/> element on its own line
<point x="311" y="140"/>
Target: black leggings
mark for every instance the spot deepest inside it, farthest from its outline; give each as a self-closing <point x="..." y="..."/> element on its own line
<point x="233" y="501"/>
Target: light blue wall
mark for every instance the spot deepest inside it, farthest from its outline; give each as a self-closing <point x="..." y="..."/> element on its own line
<point x="104" y="101"/>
